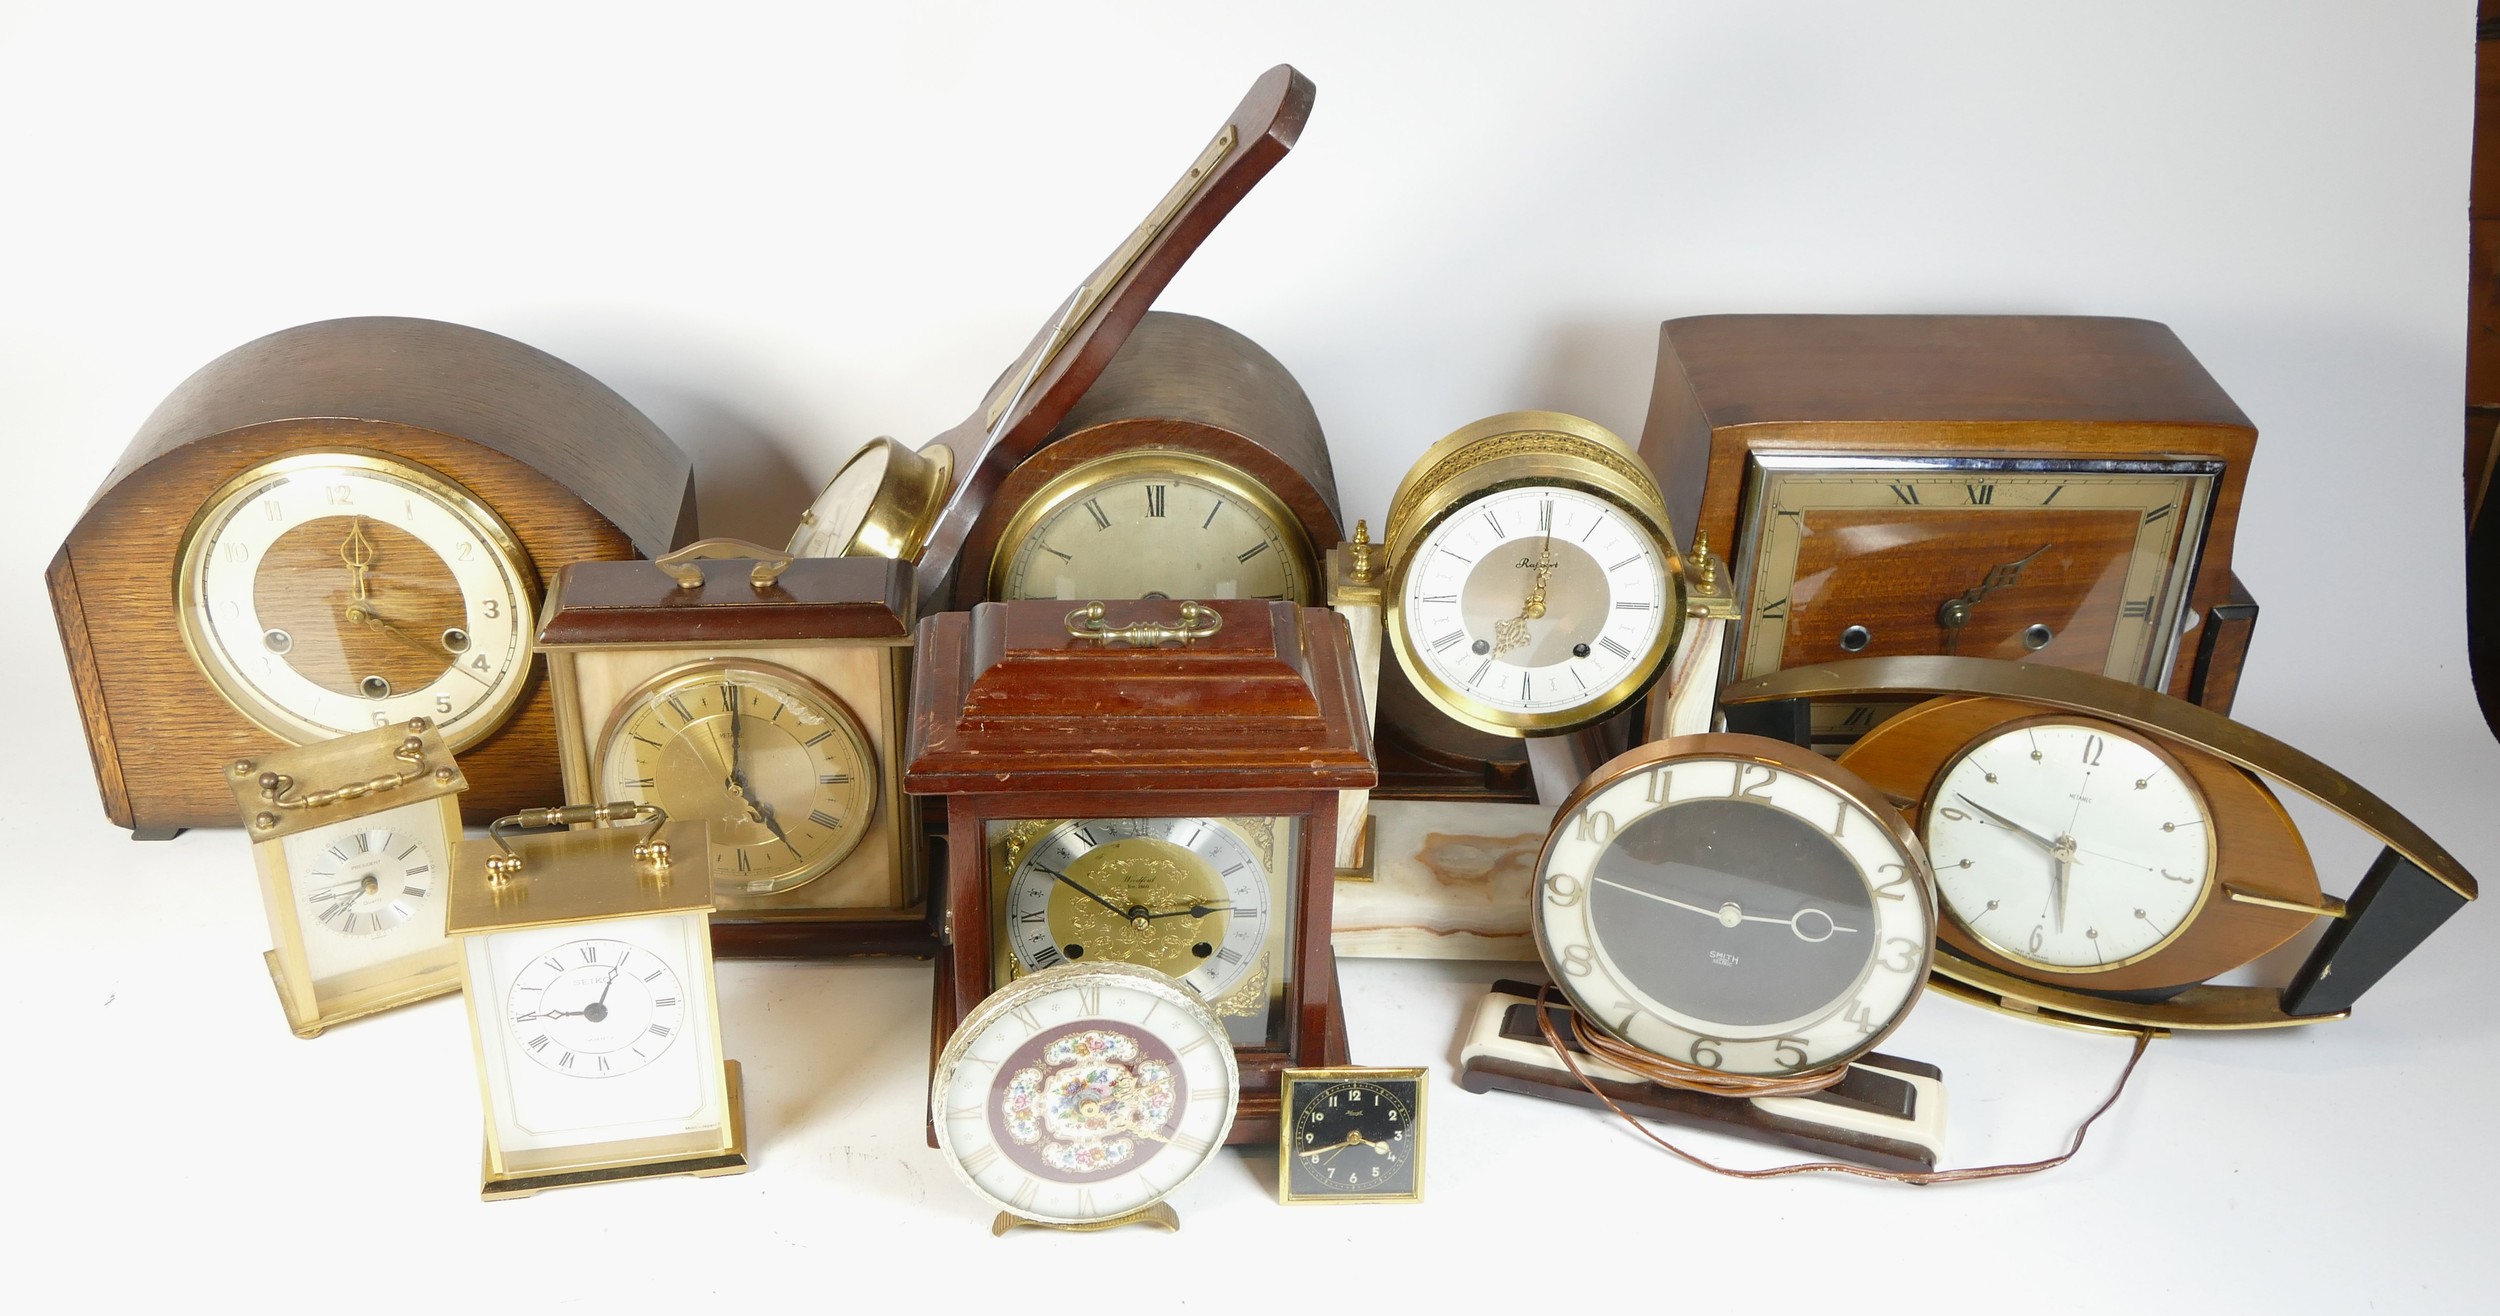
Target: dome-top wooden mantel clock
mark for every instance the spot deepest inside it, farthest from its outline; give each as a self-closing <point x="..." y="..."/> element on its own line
<point x="1150" y="782"/>
<point x="341" y="526"/>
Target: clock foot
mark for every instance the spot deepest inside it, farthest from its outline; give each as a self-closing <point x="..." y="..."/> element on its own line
<point x="730" y="1160"/>
<point x="1159" y="1215"/>
<point x="160" y="833"/>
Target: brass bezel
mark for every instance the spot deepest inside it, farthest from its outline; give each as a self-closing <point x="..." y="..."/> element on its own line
<point x="1334" y="1074"/>
<point x="1509" y="451"/>
<point x="495" y="536"/>
<point x="2204" y="812"/>
<point x="1302" y="567"/>
<point x="641" y="697"/>
<point x="904" y="508"/>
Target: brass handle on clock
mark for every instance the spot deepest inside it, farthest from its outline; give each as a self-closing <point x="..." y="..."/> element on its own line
<point x="769" y="564"/>
<point x="649" y="849"/>
<point x="280" y="790"/>
<point x="1197" y="622"/>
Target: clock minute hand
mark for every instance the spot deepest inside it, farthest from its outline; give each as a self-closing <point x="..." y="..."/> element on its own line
<point x="2009" y="824"/>
<point x="1082" y="890"/>
<point x="1652" y="895"/>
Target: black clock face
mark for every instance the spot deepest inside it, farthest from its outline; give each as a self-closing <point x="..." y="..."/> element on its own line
<point x="1732" y="912"/>
<point x="1354" y="1138"/>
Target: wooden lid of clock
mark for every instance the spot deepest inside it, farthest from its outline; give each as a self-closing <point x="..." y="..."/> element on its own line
<point x="1004" y="698"/>
<point x="821" y="598"/>
<point x="579" y="876"/>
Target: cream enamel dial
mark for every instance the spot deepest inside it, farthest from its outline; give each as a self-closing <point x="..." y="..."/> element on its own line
<point x="2069" y="845"/>
<point x="595" y="1008"/>
<point x="370" y="890"/>
<point x="1084" y="1093"/>
<point x="1535" y="605"/>
<point x="1150" y="525"/>
<point x="1188" y="897"/>
<point x="331" y="592"/>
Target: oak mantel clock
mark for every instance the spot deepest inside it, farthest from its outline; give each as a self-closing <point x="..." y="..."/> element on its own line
<point x="354" y="840"/>
<point x="1152" y="783"/>
<point x="762" y="697"/>
<point x="2055" y="490"/>
<point x="341" y="526"/>
<point x="890" y="500"/>
<point x="588" y="974"/>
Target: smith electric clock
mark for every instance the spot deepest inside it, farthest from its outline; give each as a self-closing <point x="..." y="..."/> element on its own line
<point x="342" y="526"/>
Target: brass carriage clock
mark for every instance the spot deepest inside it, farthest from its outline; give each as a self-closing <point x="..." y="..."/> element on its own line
<point x="354" y="839"/>
<point x="586" y="957"/>
<point x="1150" y="783"/>
<point x="762" y="697"/>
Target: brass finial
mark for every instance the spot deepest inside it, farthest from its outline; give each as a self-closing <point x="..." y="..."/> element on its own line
<point x="1362" y="553"/>
<point x="1708" y="565"/>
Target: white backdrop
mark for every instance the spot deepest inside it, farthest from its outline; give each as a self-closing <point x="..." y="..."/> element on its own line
<point x="782" y="230"/>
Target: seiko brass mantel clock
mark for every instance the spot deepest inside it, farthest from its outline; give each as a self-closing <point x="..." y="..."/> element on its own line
<point x="587" y="966"/>
<point x="1084" y="1095"/>
<point x="354" y="840"/>
<point x="2054" y="490"/>
<point x="761" y="697"/>
<point x="1149" y="783"/>
<point x="2105" y="851"/>
<point x="926" y="505"/>
<point x="341" y="526"/>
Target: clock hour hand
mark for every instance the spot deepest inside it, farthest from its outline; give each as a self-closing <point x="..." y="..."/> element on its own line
<point x="357" y="552"/>
<point x="1194" y="911"/>
<point x="1954" y="613"/>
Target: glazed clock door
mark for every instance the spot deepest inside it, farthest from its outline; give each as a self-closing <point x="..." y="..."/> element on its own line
<point x="598" y="1033"/>
<point x="1207" y="901"/>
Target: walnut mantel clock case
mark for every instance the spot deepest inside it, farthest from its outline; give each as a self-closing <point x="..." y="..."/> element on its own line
<point x="1151" y="783"/>
<point x="763" y="698"/>
<point x="2053" y="490"/>
<point x="341" y="526"/>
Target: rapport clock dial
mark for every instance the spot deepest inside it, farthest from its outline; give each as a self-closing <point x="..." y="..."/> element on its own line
<point x="1153" y="525"/>
<point x="772" y="761"/>
<point x="329" y="592"/>
<point x="2070" y="845"/>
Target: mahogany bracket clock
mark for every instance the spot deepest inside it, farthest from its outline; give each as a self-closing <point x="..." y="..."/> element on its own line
<point x="341" y="526"/>
<point x="1151" y="783"/>
<point x="2053" y="490"/>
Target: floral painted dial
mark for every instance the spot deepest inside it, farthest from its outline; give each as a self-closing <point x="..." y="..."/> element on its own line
<point x="326" y="593"/>
<point x="1534" y="604"/>
<point x="772" y="761"/>
<point x="1188" y="897"/>
<point x="1084" y="1093"/>
<point x="1734" y="903"/>
<point x="595" y="1008"/>
<point x="2069" y="845"/>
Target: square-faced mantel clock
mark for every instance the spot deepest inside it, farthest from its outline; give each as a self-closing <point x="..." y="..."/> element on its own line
<point x="1149" y="782"/>
<point x="2048" y="489"/>
<point x="761" y="697"/>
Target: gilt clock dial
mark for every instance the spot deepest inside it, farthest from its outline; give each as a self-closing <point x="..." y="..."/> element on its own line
<point x="330" y="592"/>
<point x="1153" y="525"/>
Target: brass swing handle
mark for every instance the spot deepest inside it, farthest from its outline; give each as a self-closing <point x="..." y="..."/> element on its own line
<point x="1197" y="622"/>
<point x="281" y="791"/>
<point x="649" y="848"/>
<point x="769" y="564"/>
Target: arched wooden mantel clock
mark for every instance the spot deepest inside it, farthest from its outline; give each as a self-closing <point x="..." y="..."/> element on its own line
<point x="1534" y="601"/>
<point x="341" y="526"/>
<point x="2103" y="851"/>
<point x="926" y="505"/>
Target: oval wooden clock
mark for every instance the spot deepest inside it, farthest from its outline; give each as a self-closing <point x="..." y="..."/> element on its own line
<point x="341" y="526"/>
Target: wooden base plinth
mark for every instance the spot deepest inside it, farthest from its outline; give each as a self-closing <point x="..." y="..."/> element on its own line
<point x="732" y="1161"/>
<point x="1887" y="1113"/>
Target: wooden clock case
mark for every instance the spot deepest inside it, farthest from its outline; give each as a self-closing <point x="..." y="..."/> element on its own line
<point x="572" y="468"/>
<point x="843" y="624"/>
<point x="1190" y="385"/>
<point x="1014" y="718"/>
<point x="2011" y="387"/>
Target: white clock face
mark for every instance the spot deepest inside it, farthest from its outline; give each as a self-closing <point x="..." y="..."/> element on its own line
<point x="327" y="593"/>
<point x="1084" y="1093"/>
<point x="369" y="890"/>
<point x="836" y="515"/>
<point x="1538" y="600"/>
<point x="2069" y="845"/>
<point x="1733" y="914"/>
<point x="597" y="1033"/>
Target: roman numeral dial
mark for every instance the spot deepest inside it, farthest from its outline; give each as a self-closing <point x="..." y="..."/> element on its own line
<point x="595" y="1008"/>
<point x="1156" y="524"/>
